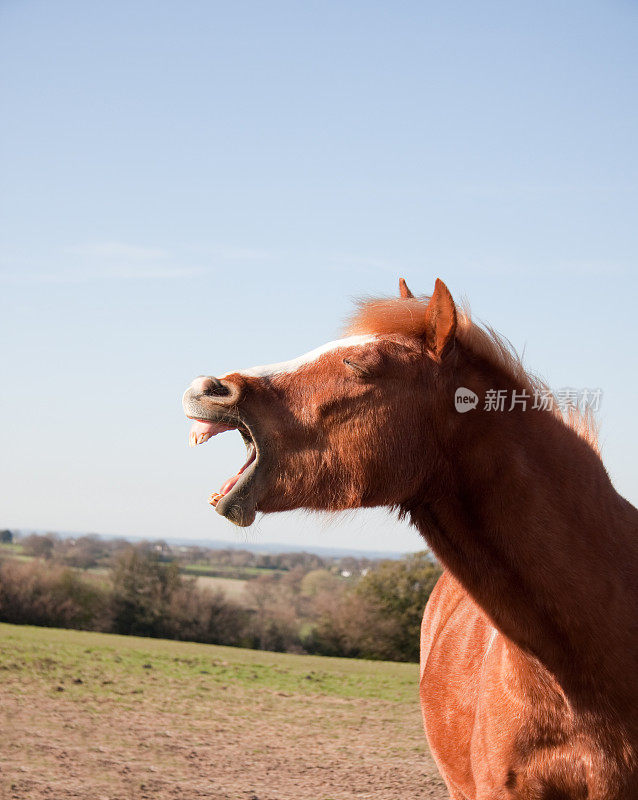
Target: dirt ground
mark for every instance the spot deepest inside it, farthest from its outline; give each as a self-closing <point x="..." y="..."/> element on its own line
<point x="159" y="737"/>
<point x="292" y="748"/>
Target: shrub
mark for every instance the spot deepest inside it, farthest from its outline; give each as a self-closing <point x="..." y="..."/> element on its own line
<point x="39" y="546"/>
<point x="52" y="596"/>
<point x="143" y="588"/>
<point x="380" y="618"/>
<point x="150" y="598"/>
<point x="277" y="604"/>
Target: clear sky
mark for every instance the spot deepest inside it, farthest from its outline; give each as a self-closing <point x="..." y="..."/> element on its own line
<point x="191" y="187"/>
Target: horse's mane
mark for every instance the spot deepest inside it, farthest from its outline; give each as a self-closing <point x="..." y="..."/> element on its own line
<point x="406" y="317"/>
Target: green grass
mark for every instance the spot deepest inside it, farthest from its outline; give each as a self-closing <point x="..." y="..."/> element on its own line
<point x="14" y="551"/>
<point x="10" y="548"/>
<point x="226" y="570"/>
<point x="60" y="657"/>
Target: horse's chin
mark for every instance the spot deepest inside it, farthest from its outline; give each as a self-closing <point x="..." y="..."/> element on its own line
<point x="239" y="505"/>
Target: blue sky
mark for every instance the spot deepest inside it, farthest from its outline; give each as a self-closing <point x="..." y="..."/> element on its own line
<point x="198" y="186"/>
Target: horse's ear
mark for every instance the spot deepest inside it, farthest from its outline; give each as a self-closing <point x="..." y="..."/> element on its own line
<point x="405" y="293"/>
<point x="440" y="319"/>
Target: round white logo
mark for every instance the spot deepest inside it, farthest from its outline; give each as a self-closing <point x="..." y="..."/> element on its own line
<point x="465" y="400"/>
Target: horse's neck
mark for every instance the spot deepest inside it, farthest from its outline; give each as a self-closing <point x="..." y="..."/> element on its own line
<point x="527" y="520"/>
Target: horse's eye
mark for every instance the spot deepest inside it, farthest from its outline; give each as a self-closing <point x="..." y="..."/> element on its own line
<point x="358" y="369"/>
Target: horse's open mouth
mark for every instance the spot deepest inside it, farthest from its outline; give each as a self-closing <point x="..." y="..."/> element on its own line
<point x="235" y="497"/>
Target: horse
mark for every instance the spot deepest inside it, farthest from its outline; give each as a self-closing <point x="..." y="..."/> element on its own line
<point x="529" y="642"/>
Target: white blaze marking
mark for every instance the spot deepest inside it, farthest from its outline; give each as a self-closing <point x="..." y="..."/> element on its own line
<point x="268" y="370"/>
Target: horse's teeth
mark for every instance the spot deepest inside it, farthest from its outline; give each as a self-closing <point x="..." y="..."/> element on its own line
<point x="197" y="438"/>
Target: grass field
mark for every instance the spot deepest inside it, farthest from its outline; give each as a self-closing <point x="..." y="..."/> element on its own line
<point x="106" y="717"/>
<point x="222" y="571"/>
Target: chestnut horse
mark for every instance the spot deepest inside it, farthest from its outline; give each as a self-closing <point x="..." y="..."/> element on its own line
<point x="529" y="665"/>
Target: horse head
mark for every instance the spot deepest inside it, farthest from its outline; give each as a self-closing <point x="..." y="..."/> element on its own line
<point x="343" y="426"/>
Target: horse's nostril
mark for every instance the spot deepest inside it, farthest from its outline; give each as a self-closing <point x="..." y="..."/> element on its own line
<point x="216" y="388"/>
<point x="210" y="386"/>
<point x="220" y="392"/>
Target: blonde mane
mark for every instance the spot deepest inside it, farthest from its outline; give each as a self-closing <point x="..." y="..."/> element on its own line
<point x="406" y="317"/>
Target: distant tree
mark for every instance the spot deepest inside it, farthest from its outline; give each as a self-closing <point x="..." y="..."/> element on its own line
<point x="399" y="591"/>
<point x="352" y="626"/>
<point x="318" y="581"/>
<point x="6" y="537"/>
<point x="143" y="587"/>
<point x="39" y="546"/>
<point x="197" y="554"/>
<point x="151" y="598"/>
<point x="242" y="558"/>
<point x="83" y="553"/>
<point x="380" y="617"/>
<point x="276" y="619"/>
<point x="202" y="615"/>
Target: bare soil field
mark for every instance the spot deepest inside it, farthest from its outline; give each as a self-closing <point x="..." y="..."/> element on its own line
<point x="105" y="717"/>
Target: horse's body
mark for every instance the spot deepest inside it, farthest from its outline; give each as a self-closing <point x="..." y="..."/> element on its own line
<point x="498" y="724"/>
<point x="529" y="673"/>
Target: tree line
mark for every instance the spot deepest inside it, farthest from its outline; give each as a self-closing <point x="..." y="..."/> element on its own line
<point x="306" y="608"/>
<point x="86" y="552"/>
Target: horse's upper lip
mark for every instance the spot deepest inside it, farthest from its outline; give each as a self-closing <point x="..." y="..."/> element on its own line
<point x="202" y="430"/>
